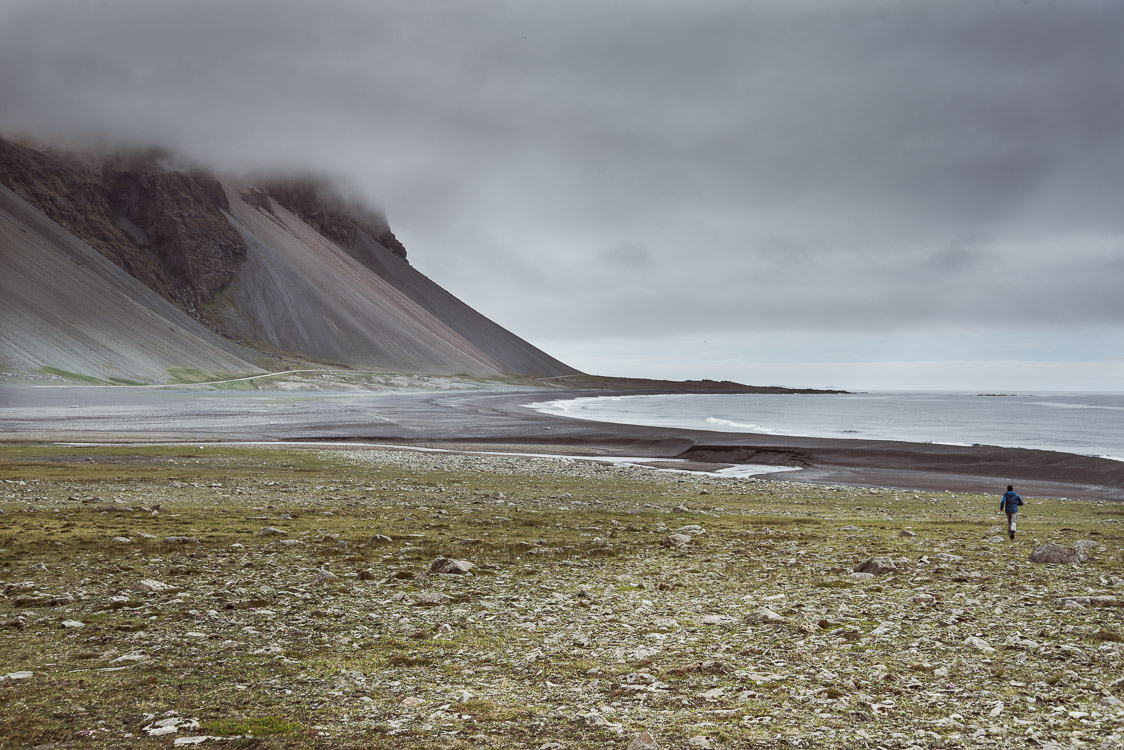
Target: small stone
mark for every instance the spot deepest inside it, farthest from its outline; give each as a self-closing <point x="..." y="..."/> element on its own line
<point x="73" y="624"/>
<point x="129" y="659"/>
<point x="121" y="540"/>
<point x="367" y="575"/>
<point x="717" y="620"/>
<point x="946" y="557"/>
<point x="18" y="676"/>
<point x="290" y="542"/>
<point x="979" y="644"/>
<point x="699" y="742"/>
<point x="180" y="540"/>
<point x="766" y="616"/>
<point x="907" y="532"/>
<point x="323" y="575"/>
<point x="272" y="531"/>
<point x="151" y="584"/>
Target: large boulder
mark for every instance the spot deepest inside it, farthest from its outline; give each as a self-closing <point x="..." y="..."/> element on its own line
<point x="448" y="566"/>
<point x="876" y="565"/>
<point x="1055" y="554"/>
<point x="676" y="541"/>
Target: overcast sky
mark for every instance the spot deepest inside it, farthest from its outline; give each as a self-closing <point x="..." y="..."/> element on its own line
<point x="866" y="194"/>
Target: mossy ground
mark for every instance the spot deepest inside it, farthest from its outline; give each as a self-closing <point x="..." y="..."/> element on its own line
<point x="249" y="642"/>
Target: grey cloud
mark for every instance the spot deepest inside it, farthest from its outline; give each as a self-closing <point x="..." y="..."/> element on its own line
<point x="645" y="167"/>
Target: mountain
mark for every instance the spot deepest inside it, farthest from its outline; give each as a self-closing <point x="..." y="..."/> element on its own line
<point x="131" y="265"/>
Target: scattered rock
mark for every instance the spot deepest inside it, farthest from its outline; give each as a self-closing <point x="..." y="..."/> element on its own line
<point x="18" y="676"/>
<point x="170" y="725"/>
<point x="907" y="532"/>
<point x="272" y="531"/>
<point x="594" y="719"/>
<point x="1094" y="601"/>
<point x="430" y="598"/>
<point x="129" y="659"/>
<point x="121" y="540"/>
<point x="180" y="540"/>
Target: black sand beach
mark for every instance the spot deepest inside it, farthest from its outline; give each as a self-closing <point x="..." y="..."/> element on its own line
<point x="497" y="419"/>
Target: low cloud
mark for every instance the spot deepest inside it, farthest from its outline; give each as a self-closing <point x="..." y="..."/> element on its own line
<point x="642" y="168"/>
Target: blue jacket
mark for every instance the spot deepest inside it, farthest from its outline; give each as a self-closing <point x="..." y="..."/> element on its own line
<point x="1010" y="502"/>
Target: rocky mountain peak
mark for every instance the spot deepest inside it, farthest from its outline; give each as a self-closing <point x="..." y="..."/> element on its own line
<point x="327" y="210"/>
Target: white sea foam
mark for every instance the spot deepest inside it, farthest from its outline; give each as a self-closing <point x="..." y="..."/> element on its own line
<point x="1061" y="405"/>
<point x="740" y="426"/>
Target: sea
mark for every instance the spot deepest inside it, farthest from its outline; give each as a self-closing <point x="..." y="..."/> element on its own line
<point x="1088" y="424"/>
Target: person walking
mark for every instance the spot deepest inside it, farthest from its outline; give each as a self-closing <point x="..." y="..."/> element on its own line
<point x="1010" y="505"/>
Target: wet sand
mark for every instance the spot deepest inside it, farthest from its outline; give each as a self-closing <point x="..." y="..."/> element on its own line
<point x="497" y="419"/>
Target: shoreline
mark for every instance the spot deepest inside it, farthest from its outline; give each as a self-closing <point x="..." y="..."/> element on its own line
<point x="847" y="462"/>
<point x="498" y="420"/>
<point x="546" y="407"/>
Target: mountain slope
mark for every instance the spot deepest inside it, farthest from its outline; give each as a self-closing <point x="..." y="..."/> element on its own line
<point x="325" y="281"/>
<point x="297" y="291"/>
<point x="63" y="305"/>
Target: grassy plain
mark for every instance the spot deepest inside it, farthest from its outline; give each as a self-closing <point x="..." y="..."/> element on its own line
<point x="297" y="608"/>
